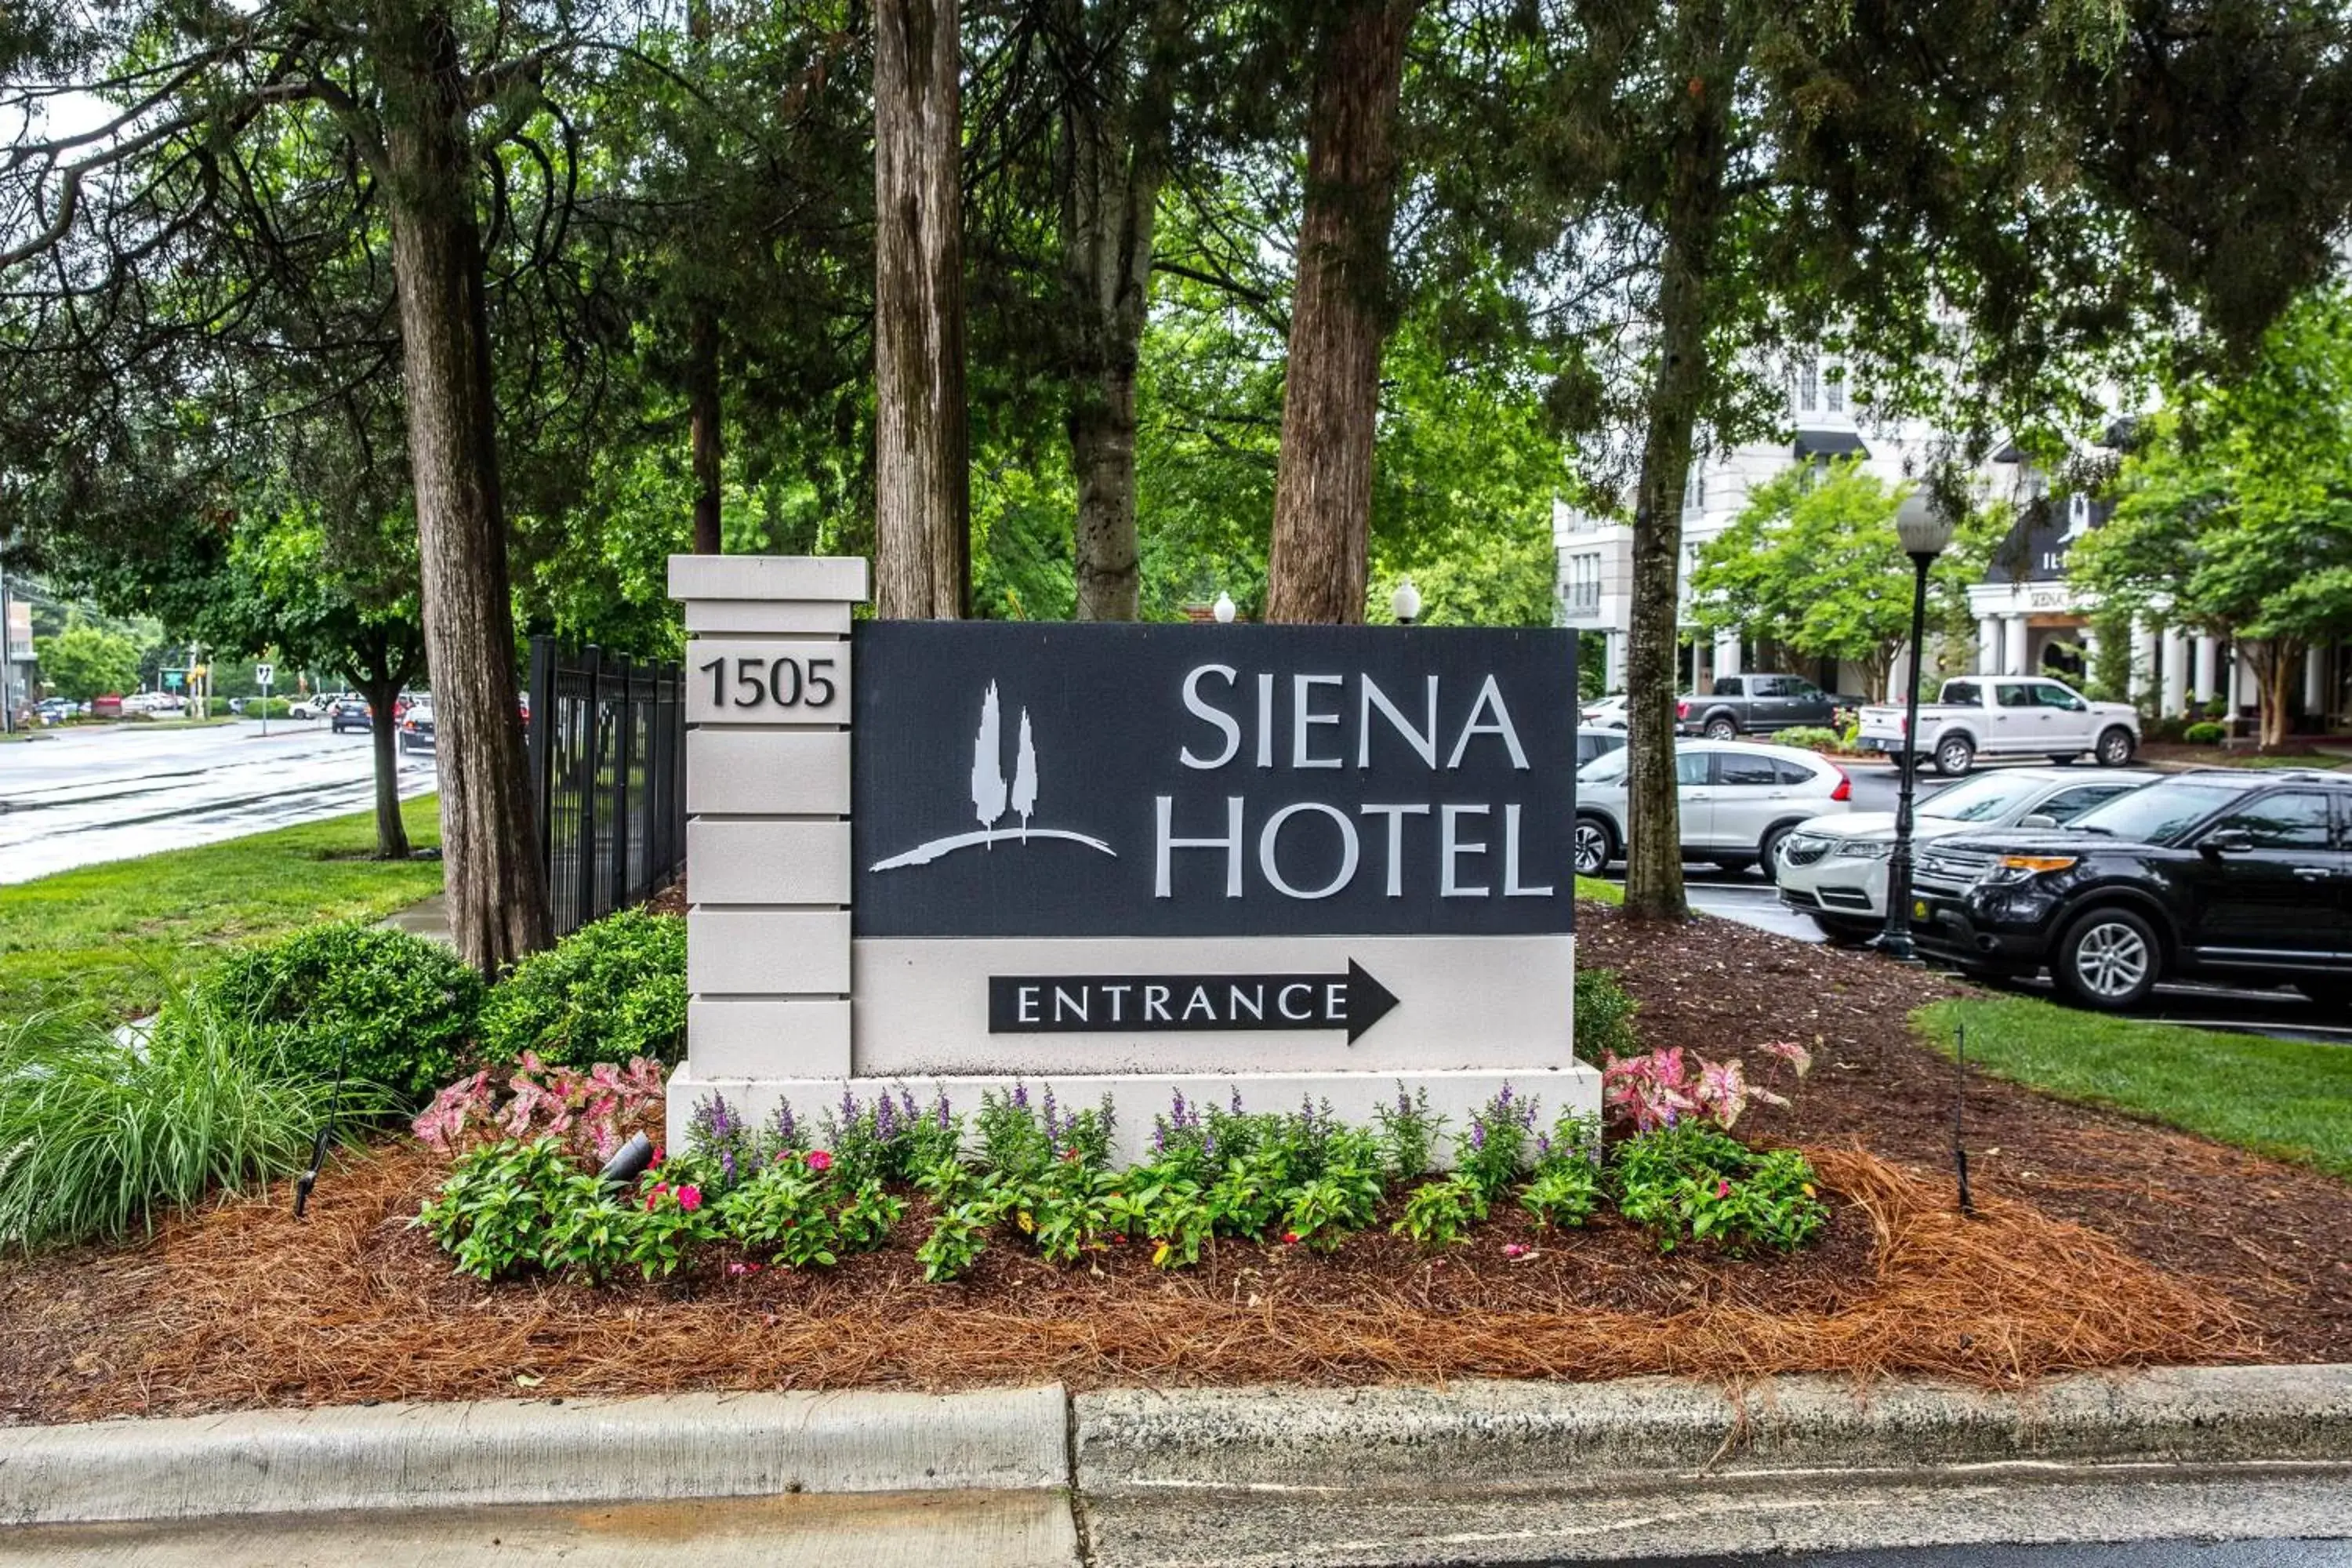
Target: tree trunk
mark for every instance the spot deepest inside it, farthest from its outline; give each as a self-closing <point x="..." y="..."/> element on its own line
<point x="923" y="479"/>
<point x="391" y="831"/>
<point x="1339" y="318"/>
<point x="1678" y="389"/>
<point x="497" y="890"/>
<point x="703" y="412"/>
<point x="703" y="409"/>
<point x="2275" y="670"/>
<point x="1114" y="156"/>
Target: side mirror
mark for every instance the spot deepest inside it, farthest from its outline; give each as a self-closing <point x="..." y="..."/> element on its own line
<point x="2038" y="819"/>
<point x="2227" y="841"/>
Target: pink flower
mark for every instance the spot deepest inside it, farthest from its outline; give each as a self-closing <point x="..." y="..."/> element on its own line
<point x="689" y="1197"/>
<point x="743" y="1270"/>
<point x="1514" y="1250"/>
<point x="1722" y="1189"/>
<point x="818" y="1160"/>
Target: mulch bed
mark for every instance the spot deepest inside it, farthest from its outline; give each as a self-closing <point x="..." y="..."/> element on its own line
<point x="2099" y="1242"/>
<point x="2276" y="1238"/>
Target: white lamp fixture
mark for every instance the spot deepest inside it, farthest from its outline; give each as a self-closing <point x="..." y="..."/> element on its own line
<point x="1405" y="602"/>
<point x="1925" y="528"/>
<point x="1223" y="609"/>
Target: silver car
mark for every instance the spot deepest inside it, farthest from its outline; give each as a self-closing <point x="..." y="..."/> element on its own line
<point x="1834" y="870"/>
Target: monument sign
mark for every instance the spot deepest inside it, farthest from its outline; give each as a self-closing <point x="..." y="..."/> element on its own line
<point x="1305" y="862"/>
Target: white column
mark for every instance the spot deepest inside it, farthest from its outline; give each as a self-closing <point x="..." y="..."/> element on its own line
<point x="2090" y="651"/>
<point x="1989" y="644"/>
<point x="2012" y="645"/>
<point x="2175" y="674"/>
<point x="1613" y="670"/>
<point x="2142" y="661"/>
<point x="767" y="799"/>
<point x="2314" y="683"/>
<point x="2208" y="660"/>
<point x="1726" y="653"/>
<point x="2245" y="682"/>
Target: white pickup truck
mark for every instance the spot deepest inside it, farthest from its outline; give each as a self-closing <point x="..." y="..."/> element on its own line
<point x="2006" y="715"/>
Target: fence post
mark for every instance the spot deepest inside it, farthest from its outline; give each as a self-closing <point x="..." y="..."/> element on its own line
<point x="591" y="669"/>
<point x="541" y="753"/>
<point x="624" y="733"/>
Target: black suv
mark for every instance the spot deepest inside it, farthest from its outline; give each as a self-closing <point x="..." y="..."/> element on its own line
<point x="2217" y="873"/>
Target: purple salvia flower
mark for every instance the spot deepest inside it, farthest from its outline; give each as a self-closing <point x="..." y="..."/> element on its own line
<point x="885" y="1119"/>
<point x="907" y="1104"/>
<point x="1237" y="1100"/>
<point x="787" y="1129"/>
<point x="944" y="1114"/>
<point x="1019" y="1095"/>
<point x="1177" y="1115"/>
<point x="1478" y="1134"/>
<point x="848" y="1110"/>
<point x="1053" y="1120"/>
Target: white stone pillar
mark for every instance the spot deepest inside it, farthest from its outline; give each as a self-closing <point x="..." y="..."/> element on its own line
<point x="1726" y="653"/>
<point x="2175" y="674"/>
<point x="1989" y="645"/>
<point x="1612" y="672"/>
<point x="2090" y="651"/>
<point x="768" y="684"/>
<point x="2014" y="631"/>
<point x="2315" y="684"/>
<point x="2208" y="659"/>
<point x="2143" y="662"/>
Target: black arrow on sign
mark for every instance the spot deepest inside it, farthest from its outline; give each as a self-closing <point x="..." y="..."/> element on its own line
<point x="1151" y="1003"/>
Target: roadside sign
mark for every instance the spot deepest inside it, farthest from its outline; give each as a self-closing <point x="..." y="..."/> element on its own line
<point x="173" y="680"/>
<point x="263" y="673"/>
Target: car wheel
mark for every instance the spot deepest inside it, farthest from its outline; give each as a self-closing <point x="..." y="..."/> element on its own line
<point x="1844" y="933"/>
<point x="2110" y="960"/>
<point x="1591" y="847"/>
<point x="1955" y="754"/>
<point x="1768" y="854"/>
<point x="1721" y="728"/>
<point x="2115" y="747"/>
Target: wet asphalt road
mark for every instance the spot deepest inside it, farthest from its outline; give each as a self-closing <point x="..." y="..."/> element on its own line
<point x="2135" y="1554"/>
<point x="1746" y="897"/>
<point x="81" y="797"/>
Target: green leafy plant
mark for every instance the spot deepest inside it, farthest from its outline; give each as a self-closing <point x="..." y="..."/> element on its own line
<point x="675" y="1221"/>
<point x="608" y="992"/>
<point x="1565" y="1186"/>
<point x="866" y="1220"/>
<point x="401" y="1006"/>
<point x="1440" y="1213"/>
<point x="1493" y="1152"/>
<point x="1604" y="1016"/>
<point x="1409" y="1130"/>
<point x="958" y="1239"/>
<point x="594" y="1236"/>
<point x="784" y="1211"/>
<point x="1810" y="737"/>
<point x="504" y="1208"/>
<point x="1693" y="1182"/>
<point x="2205" y="732"/>
<point x="96" y="1135"/>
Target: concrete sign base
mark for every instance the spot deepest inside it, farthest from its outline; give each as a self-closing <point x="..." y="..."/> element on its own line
<point x="1137" y="1098"/>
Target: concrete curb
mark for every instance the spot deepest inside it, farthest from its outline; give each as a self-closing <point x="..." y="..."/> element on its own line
<point x="1521" y="1435"/>
<point x="417" y="1456"/>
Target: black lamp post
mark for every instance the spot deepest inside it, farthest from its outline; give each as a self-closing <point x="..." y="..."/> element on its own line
<point x="1927" y="532"/>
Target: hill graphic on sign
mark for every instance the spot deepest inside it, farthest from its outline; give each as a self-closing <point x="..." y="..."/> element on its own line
<point x="992" y="796"/>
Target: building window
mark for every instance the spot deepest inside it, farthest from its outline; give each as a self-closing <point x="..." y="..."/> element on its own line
<point x="1809" y="386"/>
<point x="1694" y="491"/>
<point x="1833" y="393"/>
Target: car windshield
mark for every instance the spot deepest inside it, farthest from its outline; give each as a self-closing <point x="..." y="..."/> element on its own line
<point x="1988" y="797"/>
<point x="1606" y="770"/>
<point x="2160" y="813"/>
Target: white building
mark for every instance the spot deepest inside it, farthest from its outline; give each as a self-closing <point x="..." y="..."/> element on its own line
<point x="2029" y="618"/>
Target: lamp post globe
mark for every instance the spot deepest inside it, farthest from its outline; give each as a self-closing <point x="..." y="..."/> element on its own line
<point x="1223" y="609"/>
<point x="1405" y="602"/>
<point x="1925" y="529"/>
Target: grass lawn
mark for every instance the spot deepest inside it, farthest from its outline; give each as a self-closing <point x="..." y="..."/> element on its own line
<point x="113" y="934"/>
<point x="2283" y="1098"/>
<point x="1599" y="892"/>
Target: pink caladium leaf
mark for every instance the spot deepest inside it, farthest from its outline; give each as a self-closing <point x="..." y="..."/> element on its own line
<point x="1800" y="1060"/>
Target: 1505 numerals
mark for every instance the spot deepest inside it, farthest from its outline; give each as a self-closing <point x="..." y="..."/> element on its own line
<point x="756" y="682"/>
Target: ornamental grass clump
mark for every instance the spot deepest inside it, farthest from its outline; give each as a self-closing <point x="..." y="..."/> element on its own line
<point x="99" y="1133"/>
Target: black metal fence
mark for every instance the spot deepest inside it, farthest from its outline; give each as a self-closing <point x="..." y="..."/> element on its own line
<point x="608" y="768"/>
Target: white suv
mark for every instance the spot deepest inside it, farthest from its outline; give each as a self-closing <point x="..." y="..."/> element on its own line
<point x="1836" y="869"/>
<point x="1739" y="799"/>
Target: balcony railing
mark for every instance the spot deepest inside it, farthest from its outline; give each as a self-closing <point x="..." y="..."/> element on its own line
<point x="1580" y="598"/>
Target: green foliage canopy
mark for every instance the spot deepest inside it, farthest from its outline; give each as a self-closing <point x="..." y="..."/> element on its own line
<point x="83" y="661"/>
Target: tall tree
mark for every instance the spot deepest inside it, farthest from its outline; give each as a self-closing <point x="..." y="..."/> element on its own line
<point x="1340" y="315"/>
<point x="922" y="481"/>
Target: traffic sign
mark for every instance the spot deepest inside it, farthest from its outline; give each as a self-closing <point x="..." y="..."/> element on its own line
<point x="174" y="678"/>
<point x="263" y="673"/>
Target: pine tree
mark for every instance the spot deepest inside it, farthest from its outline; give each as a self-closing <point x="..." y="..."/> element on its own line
<point x="987" y="765"/>
<point x="1025" y="777"/>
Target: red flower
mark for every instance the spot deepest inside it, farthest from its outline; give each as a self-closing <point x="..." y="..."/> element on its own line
<point x="818" y="1160"/>
<point x="689" y="1197"/>
<point x="1289" y="1238"/>
<point x="1722" y="1189"/>
<point x="1514" y="1250"/>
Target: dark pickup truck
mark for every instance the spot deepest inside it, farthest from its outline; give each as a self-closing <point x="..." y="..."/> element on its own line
<point x="1758" y="705"/>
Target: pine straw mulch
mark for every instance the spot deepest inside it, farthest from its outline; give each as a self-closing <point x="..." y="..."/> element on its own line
<point x="242" y="1306"/>
<point x="2274" y="1238"/>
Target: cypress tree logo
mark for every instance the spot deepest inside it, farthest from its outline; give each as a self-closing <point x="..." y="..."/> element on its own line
<point x="992" y="795"/>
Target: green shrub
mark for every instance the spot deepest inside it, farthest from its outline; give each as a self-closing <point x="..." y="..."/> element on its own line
<point x="513" y="1205"/>
<point x="1604" y="1016"/>
<point x="1693" y="1182"/>
<point x="1812" y="737"/>
<point x="403" y="1006"/>
<point x="608" y="992"/>
<point x="2205" y="732"/>
<point x="96" y="1136"/>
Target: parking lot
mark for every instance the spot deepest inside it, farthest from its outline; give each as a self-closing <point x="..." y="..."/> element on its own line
<point x="82" y="797"/>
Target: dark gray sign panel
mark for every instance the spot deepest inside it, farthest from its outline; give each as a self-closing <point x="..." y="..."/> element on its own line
<point x="1017" y="780"/>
